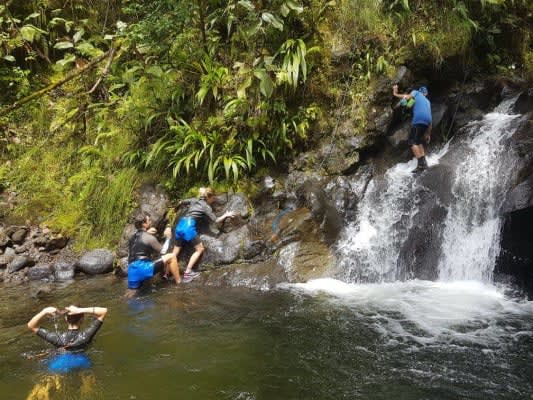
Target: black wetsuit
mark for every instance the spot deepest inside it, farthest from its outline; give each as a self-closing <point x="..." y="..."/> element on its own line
<point x="142" y="245"/>
<point x="72" y="339"/>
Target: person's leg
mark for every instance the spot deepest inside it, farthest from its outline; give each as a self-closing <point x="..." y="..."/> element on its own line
<point x="198" y="251"/>
<point x="171" y="264"/>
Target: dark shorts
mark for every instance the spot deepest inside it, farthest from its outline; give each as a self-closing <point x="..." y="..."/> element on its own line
<point x="416" y="135"/>
<point x="142" y="270"/>
<point x="186" y="232"/>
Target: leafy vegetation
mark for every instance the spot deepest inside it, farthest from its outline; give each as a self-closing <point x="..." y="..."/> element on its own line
<point x="206" y="91"/>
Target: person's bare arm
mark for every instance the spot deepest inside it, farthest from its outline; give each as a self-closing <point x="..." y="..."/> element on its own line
<point x="227" y="214"/>
<point x="98" y="312"/>
<point x="35" y="322"/>
<point x="395" y="93"/>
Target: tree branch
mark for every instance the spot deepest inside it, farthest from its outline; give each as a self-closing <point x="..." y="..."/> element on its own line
<point x="71" y="75"/>
<point x="106" y="70"/>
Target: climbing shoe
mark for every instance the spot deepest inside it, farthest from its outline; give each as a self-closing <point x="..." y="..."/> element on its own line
<point x="418" y="169"/>
<point x="189" y="276"/>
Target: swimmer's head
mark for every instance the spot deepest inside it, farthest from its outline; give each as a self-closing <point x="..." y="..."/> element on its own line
<point x="73" y="319"/>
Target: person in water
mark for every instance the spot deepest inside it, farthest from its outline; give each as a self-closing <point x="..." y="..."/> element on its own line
<point x="197" y="219"/>
<point x="73" y="338"/>
<point x="142" y="247"/>
<point x="421" y="124"/>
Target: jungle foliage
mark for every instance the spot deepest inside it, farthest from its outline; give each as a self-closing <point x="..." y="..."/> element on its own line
<point x="196" y="91"/>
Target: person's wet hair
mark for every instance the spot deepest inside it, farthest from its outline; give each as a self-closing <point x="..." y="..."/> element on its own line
<point x="73" y="319"/>
<point x="140" y="219"/>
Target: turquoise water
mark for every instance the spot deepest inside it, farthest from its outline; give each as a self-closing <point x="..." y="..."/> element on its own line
<point x="196" y="342"/>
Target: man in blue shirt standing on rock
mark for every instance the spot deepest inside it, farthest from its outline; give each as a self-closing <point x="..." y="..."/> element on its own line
<point x="421" y="125"/>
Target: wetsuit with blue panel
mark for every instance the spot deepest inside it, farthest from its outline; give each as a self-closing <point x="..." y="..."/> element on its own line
<point x="71" y="342"/>
<point x="197" y="219"/>
<point x="142" y="247"/>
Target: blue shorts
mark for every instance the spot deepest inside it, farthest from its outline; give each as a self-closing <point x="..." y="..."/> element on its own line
<point x="186" y="231"/>
<point x="138" y="272"/>
<point x="67" y="362"/>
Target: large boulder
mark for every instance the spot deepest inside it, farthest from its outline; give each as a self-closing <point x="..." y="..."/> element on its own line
<point x="99" y="261"/>
<point x="226" y="248"/>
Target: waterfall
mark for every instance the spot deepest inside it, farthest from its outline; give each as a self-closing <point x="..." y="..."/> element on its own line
<point x="472" y="227"/>
<point x="369" y="247"/>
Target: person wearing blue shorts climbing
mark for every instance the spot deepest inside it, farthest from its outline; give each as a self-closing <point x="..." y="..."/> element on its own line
<point x="71" y="341"/>
<point x="420" y="132"/>
<point x="196" y="220"/>
<point x="143" y="247"/>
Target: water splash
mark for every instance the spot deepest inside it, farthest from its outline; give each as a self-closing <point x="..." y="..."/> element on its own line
<point x="424" y="312"/>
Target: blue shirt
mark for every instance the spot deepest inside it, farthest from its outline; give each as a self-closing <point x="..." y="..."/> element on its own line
<point x="421" y="109"/>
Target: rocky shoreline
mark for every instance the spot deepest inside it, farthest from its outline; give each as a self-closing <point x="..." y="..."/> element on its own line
<point x="286" y="231"/>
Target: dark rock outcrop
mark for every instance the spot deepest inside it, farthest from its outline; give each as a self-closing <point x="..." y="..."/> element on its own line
<point x="99" y="261"/>
<point x="421" y="250"/>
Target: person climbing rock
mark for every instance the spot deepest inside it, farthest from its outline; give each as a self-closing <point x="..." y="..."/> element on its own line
<point x="143" y="246"/>
<point x="421" y="124"/>
<point x="197" y="218"/>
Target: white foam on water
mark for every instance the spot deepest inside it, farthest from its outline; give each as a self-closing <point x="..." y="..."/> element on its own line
<point x="461" y="312"/>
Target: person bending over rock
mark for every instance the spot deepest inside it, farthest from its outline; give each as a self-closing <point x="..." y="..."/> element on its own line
<point x="143" y="246"/>
<point x="197" y="219"/>
<point x="421" y="124"/>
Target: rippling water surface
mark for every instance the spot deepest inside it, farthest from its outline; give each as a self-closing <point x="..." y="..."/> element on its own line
<point x="322" y="340"/>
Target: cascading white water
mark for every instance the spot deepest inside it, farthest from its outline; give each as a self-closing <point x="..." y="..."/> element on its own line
<point x="472" y="227"/>
<point x="370" y="245"/>
<point x="463" y="307"/>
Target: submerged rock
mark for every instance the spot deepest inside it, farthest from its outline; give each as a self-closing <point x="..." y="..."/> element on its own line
<point x="64" y="270"/>
<point x="39" y="272"/>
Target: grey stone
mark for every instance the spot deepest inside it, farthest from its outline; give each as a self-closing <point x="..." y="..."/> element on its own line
<point x="99" y="261"/>
<point x="64" y="270"/>
<point x="19" y="262"/>
<point x="19" y="235"/>
<point x="39" y="272"/>
<point x="520" y="197"/>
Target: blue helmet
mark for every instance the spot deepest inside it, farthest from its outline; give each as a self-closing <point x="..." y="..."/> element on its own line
<point x="423" y="90"/>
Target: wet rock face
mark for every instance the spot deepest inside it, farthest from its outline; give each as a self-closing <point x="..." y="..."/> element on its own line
<point x="421" y="251"/>
<point x="99" y="261"/>
<point x="516" y="253"/>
